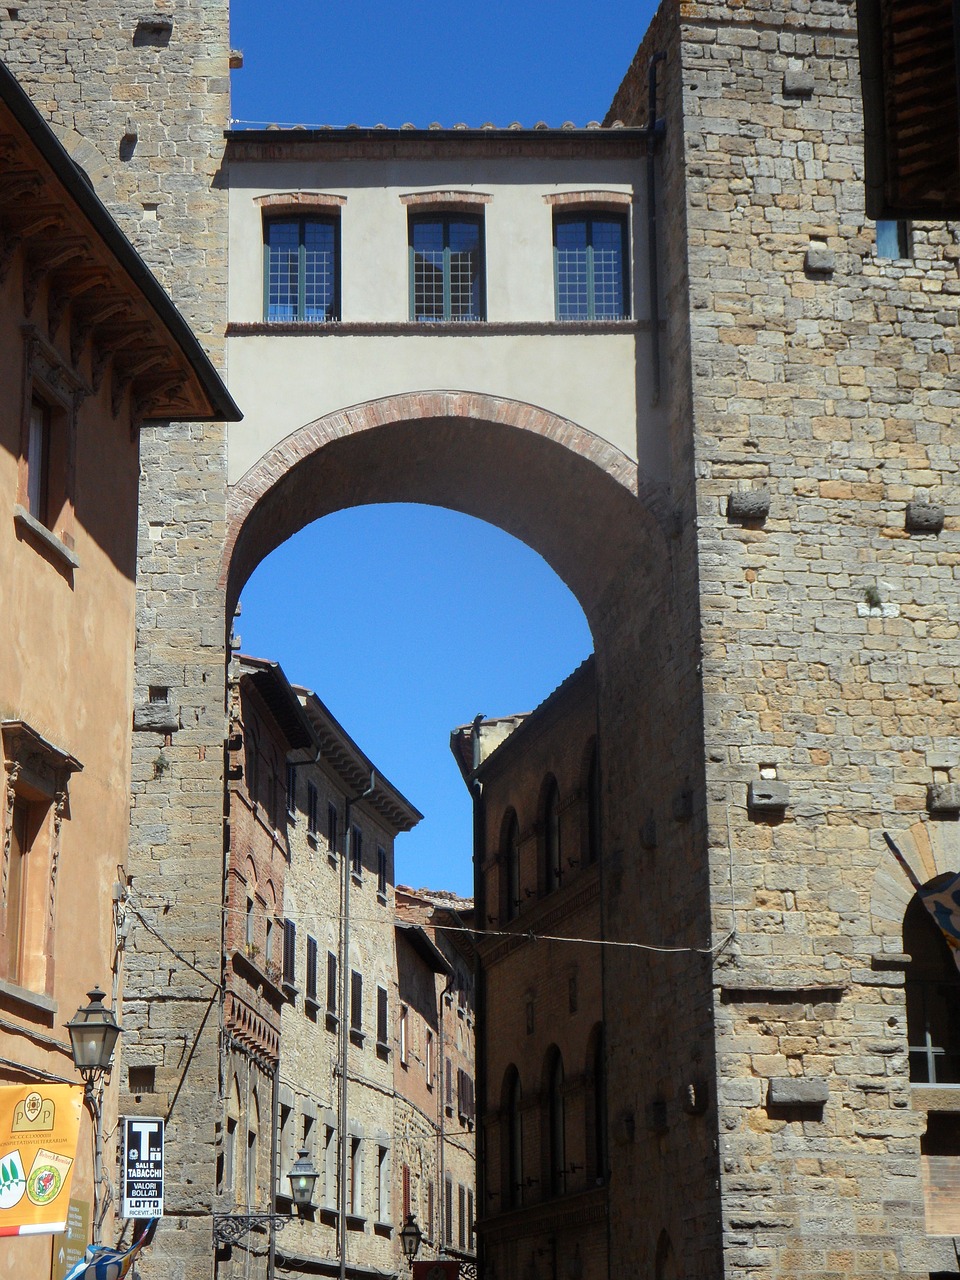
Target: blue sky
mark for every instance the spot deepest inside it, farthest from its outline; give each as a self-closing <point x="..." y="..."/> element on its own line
<point x="355" y="62"/>
<point x="419" y="618"/>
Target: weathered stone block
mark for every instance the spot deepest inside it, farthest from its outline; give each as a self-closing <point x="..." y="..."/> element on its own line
<point x="791" y="1091"/>
<point x="161" y="717"/>
<point x="924" y="517"/>
<point x="768" y="794"/>
<point x="797" y="83"/>
<point x="754" y="504"/>
<point x="943" y="797"/>
<point x="820" y="260"/>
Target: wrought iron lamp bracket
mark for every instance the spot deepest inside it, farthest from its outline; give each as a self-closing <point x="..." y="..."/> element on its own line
<point x="228" y="1228"/>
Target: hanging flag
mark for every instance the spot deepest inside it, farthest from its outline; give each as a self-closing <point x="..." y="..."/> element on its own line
<point x="941" y="898"/>
<point x="103" y="1263"/>
<point x="39" y="1128"/>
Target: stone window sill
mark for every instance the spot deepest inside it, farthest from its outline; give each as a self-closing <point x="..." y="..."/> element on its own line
<point x="357" y="1037"/>
<point x="935" y="1097"/>
<point x="58" y="551"/>
<point x="355" y="1222"/>
<point x="43" y="1005"/>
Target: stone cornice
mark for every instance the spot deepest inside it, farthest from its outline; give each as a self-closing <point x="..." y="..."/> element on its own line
<point x="433" y="329"/>
<point x="255" y="145"/>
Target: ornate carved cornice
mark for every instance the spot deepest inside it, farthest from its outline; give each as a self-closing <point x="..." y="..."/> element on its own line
<point x="50" y="216"/>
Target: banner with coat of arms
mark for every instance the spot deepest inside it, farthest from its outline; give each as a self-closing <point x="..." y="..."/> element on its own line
<point x="39" y="1129"/>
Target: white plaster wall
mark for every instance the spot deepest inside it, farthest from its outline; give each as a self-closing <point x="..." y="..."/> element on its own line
<point x="283" y="382"/>
<point x="599" y="379"/>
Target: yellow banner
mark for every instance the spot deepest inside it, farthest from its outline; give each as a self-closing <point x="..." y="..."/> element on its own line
<point x="39" y="1128"/>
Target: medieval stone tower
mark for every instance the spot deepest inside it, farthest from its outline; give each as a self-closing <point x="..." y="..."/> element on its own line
<point x="774" y="602"/>
<point x="140" y="97"/>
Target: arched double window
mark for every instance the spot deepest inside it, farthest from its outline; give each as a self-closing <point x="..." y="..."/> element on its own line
<point x="933" y="999"/>
<point x="511" y="1151"/>
<point x="510" y="867"/>
<point x="552" y="853"/>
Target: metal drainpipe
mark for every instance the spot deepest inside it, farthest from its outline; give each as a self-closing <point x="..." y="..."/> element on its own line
<point x="274" y="1138"/>
<point x="344" y="1024"/>
<point x="441" y="1126"/>
<point x="655" y="131"/>
<point x="480" y="1016"/>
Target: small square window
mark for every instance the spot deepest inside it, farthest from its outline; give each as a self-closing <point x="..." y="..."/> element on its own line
<point x="893" y="239"/>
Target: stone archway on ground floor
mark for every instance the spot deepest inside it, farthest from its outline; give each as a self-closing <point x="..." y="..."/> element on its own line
<point x="608" y="531"/>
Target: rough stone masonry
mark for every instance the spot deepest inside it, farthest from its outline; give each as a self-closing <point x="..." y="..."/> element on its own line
<point x="800" y="649"/>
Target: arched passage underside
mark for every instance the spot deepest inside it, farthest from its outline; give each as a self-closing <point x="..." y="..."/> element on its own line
<point x="573" y="497"/>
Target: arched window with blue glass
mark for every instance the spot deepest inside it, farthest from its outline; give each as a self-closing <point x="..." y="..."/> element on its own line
<point x="590" y="266"/>
<point x="302" y="269"/>
<point x="446" y="267"/>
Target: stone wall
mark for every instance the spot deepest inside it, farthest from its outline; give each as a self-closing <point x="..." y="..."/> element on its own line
<point x="141" y="100"/>
<point x="822" y="385"/>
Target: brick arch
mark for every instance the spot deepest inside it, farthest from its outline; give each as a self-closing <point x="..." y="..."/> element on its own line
<point x="464" y="450"/>
<point x="932" y="849"/>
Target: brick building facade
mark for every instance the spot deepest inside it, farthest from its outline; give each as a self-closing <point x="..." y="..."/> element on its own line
<point x="543" y="1106"/>
<point x="435" y="1109"/>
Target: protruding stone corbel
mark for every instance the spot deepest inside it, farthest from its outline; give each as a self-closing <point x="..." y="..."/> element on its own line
<point x="752" y="504"/>
<point x="923" y="517"/>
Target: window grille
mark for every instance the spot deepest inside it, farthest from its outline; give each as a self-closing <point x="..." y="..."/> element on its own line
<point x="591" y="267"/>
<point x="331" y="983"/>
<point x="381" y="871"/>
<point x="446" y="268"/>
<point x="356" y="851"/>
<point x="301" y="269"/>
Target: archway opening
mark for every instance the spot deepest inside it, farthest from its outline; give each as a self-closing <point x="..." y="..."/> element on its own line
<point x="407" y="621"/>
<point x="607" y="534"/>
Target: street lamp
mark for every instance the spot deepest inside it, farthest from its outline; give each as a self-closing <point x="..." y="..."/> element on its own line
<point x="94" y="1032"/>
<point x="303" y="1179"/>
<point x="410" y="1238"/>
<point x="228" y="1228"/>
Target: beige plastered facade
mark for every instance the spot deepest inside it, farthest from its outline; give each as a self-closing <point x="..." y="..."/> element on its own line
<point x="288" y="380"/>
